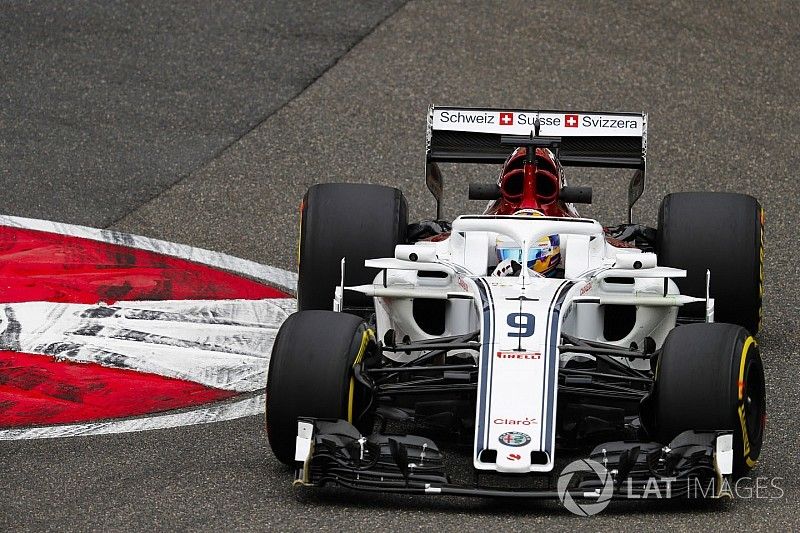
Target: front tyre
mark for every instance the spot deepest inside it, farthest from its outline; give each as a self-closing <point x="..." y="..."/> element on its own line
<point x="311" y="374"/>
<point x="710" y="377"/>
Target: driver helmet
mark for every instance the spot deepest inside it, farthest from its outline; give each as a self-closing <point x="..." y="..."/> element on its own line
<point x="543" y="257"/>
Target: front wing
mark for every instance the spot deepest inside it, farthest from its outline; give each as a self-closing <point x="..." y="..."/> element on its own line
<point x="333" y="452"/>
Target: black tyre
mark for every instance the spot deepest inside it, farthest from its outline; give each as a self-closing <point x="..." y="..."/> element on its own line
<point x="710" y="377"/>
<point x="353" y="221"/>
<point x="722" y="232"/>
<point x="310" y="373"/>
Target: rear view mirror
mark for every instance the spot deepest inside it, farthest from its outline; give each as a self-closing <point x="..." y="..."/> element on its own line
<point x="576" y="195"/>
<point x="484" y="191"/>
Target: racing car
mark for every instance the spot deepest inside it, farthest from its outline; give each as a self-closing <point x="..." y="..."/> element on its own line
<point x="525" y="330"/>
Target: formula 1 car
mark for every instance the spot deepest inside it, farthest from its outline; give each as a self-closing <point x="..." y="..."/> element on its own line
<point x="524" y="330"/>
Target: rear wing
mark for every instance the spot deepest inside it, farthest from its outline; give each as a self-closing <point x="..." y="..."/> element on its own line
<point x="578" y="138"/>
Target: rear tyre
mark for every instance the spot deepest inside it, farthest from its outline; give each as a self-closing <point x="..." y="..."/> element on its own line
<point x="710" y="377"/>
<point x="722" y="232"/>
<point x="310" y="374"/>
<point x="349" y="220"/>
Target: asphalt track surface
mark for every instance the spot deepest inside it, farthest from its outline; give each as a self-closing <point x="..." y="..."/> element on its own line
<point x="212" y="121"/>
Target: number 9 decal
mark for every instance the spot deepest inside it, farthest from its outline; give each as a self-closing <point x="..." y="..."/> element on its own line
<point x="523" y="323"/>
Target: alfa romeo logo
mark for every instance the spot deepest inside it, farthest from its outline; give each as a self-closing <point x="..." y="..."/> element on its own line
<point x="514" y="438"/>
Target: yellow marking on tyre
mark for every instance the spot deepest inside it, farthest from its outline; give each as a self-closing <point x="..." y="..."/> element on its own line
<point x="745" y="350"/>
<point x="365" y="338"/>
<point x="740" y="410"/>
<point x="745" y="438"/>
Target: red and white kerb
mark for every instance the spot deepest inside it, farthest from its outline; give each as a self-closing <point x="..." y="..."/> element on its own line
<point x="104" y="332"/>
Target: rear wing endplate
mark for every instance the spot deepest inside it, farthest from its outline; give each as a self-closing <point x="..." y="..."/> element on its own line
<point x="582" y="139"/>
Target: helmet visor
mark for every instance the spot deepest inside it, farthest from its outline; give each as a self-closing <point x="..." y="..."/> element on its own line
<point x="515" y="254"/>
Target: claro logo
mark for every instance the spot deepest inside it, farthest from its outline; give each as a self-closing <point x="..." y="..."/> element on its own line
<point x="527" y="421"/>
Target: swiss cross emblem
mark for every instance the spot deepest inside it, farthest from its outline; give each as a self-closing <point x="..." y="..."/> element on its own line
<point x="571" y="121"/>
<point x="506" y="119"/>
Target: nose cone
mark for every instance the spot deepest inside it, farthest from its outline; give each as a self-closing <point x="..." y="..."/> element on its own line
<point x="513" y="460"/>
